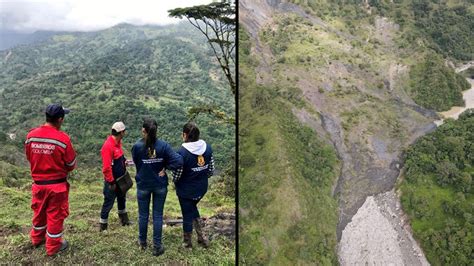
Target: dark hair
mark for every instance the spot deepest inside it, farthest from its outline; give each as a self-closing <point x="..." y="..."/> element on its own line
<point x="192" y="132"/>
<point x="150" y="127"/>
<point x="53" y="119"/>
<point x="115" y="132"/>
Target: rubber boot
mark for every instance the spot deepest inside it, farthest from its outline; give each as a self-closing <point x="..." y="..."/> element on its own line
<point x="158" y="250"/>
<point x="124" y="219"/>
<point x="202" y="240"/>
<point x="187" y="242"/>
<point x="103" y="227"/>
<point x="64" y="246"/>
<point x="142" y="245"/>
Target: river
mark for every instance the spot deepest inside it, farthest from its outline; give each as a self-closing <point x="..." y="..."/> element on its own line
<point x="455" y="111"/>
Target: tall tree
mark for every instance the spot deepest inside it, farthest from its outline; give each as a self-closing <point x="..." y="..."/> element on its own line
<point x="217" y="21"/>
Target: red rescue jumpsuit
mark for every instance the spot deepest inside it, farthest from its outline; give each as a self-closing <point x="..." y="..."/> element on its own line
<point x="51" y="156"/>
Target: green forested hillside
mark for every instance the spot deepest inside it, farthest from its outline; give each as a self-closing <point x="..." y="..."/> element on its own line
<point x="428" y="31"/>
<point x="286" y="175"/>
<point x="444" y="26"/>
<point x="362" y="79"/>
<point x="438" y="191"/>
<point x="122" y="73"/>
<point x="435" y="86"/>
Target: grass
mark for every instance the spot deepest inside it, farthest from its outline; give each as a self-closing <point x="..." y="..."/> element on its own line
<point x="118" y="244"/>
<point x="285" y="181"/>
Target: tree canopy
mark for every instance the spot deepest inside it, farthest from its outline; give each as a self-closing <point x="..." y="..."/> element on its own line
<point x="217" y="21"/>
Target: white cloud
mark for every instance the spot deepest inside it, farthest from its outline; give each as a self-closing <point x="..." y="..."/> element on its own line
<point x="86" y="15"/>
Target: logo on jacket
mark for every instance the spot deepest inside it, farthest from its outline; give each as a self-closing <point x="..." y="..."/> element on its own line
<point x="201" y="161"/>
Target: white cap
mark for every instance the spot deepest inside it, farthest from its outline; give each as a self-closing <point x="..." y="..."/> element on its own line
<point x="118" y="126"/>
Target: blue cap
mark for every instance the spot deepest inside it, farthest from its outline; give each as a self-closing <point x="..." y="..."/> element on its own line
<point x="56" y="110"/>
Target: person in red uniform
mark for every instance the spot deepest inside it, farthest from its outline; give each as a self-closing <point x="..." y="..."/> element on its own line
<point x="51" y="155"/>
<point x="113" y="166"/>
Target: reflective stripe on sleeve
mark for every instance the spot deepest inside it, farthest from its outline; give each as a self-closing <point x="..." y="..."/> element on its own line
<point x="46" y="140"/>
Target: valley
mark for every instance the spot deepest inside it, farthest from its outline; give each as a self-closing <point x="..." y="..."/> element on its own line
<point x="352" y="84"/>
<point x="123" y="73"/>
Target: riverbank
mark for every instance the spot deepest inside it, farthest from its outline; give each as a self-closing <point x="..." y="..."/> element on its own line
<point x="455" y="111"/>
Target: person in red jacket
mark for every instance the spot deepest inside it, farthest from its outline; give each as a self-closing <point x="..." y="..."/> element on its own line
<point x="52" y="157"/>
<point x="113" y="166"/>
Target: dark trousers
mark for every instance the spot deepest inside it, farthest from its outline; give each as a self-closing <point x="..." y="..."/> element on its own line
<point x="190" y="212"/>
<point x="144" y="197"/>
<point x="109" y="199"/>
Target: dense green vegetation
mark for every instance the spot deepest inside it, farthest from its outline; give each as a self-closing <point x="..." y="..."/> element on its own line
<point x="285" y="180"/>
<point x="444" y="26"/>
<point x="358" y="59"/>
<point x="435" y="86"/>
<point x="437" y="191"/>
<point x="122" y="73"/>
<point x="118" y="245"/>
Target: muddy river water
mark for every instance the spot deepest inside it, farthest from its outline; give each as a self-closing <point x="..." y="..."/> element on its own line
<point x="454" y="112"/>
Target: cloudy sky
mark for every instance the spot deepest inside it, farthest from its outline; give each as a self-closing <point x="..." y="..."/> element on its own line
<point x="85" y="15"/>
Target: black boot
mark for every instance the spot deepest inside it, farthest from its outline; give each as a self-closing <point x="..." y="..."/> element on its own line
<point x="202" y="240"/>
<point x="103" y="227"/>
<point x="187" y="242"/>
<point x="142" y="245"/>
<point x="158" y="250"/>
<point x="124" y="219"/>
<point x="64" y="245"/>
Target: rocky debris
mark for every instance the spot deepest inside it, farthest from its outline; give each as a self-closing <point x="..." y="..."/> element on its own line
<point x="254" y="15"/>
<point x="369" y="239"/>
<point x="379" y="235"/>
<point x="389" y="206"/>
<point x="385" y="30"/>
<point x="222" y="224"/>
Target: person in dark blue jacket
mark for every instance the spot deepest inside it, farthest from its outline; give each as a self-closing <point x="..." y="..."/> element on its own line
<point x="191" y="181"/>
<point x="151" y="156"/>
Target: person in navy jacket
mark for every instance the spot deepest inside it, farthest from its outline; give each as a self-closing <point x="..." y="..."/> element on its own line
<point x="191" y="181"/>
<point x="151" y="156"/>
